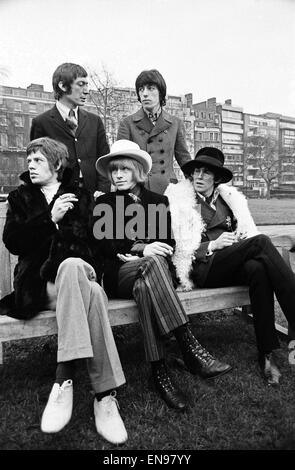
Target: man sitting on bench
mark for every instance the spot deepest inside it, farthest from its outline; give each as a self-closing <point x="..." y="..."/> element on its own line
<point x="218" y="245"/>
<point x="49" y="226"/>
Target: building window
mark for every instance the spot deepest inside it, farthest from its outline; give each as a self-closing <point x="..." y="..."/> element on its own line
<point x="11" y="141"/>
<point x="19" y="121"/>
<point x="20" y="140"/>
<point x="3" y="140"/>
<point x="17" y="106"/>
<point x="3" y="120"/>
<point x="33" y="108"/>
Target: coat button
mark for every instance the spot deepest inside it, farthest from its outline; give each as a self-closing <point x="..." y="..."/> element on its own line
<point x="162" y="151"/>
<point x="76" y="140"/>
<point x="161" y="140"/>
<point x="162" y="162"/>
<point x="149" y="141"/>
<point x="79" y="160"/>
<point x="165" y="131"/>
<point x="162" y="171"/>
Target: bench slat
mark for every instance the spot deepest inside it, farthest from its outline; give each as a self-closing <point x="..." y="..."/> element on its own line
<point x="122" y="312"/>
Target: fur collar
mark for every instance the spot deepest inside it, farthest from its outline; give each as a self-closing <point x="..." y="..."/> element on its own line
<point x="188" y="225"/>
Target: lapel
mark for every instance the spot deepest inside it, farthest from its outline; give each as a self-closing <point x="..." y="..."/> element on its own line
<point x="142" y="121"/>
<point x="55" y="114"/>
<point x="82" y="118"/>
<point x="164" y="122"/>
<point x="220" y="214"/>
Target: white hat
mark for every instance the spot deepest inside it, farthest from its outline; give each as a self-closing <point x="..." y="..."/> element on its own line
<point x="125" y="148"/>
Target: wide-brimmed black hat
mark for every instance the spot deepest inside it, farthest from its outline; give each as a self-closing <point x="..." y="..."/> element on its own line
<point x="211" y="157"/>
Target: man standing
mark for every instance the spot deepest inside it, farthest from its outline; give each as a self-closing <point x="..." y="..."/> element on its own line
<point x="82" y="132"/>
<point x="156" y="131"/>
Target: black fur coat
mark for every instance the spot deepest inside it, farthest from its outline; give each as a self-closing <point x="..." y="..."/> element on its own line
<point x="30" y="233"/>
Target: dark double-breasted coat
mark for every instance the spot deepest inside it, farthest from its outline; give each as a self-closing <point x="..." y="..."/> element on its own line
<point x="84" y="146"/>
<point x="121" y="242"/>
<point x="162" y="141"/>
<point x="30" y="233"/>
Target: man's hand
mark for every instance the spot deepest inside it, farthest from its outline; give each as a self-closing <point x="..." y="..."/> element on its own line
<point x="96" y="194"/>
<point x="158" y="248"/>
<point x="224" y="240"/>
<point x="62" y="204"/>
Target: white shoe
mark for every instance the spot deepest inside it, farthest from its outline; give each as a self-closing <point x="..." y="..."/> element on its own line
<point x="108" y="421"/>
<point x="58" y="410"/>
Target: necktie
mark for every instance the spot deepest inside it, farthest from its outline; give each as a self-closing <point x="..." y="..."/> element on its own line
<point x="72" y="121"/>
<point x="153" y="117"/>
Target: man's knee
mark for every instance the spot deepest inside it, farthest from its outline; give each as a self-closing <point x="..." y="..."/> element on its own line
<point x="255" y="269"/>
<point x="262" y="239"/>
<point x="71" y="263"/>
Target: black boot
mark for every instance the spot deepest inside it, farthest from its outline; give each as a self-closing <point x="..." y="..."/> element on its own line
<point x="166" y="388"/>
<point x="269" y="368"/>
<point x="196" y="358"/>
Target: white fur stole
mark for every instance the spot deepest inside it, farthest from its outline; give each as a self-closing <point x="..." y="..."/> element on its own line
<point x="188" y="225"/>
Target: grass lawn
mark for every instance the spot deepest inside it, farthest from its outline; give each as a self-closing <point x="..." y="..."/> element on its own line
<point x="272" y="211"/>
<point x="237" y="411"/>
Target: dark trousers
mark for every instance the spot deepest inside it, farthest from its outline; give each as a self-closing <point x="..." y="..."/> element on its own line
<point x="255" y="262"/>
<point x="149" y="281"/>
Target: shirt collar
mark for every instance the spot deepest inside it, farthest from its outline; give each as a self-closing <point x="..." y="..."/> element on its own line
<point x="64" y="110"/>
<point x="153" y="116"/>
<point x="213" y="199"/>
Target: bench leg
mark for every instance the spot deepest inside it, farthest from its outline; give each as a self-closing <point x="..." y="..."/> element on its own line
<point x="1" y="353"/>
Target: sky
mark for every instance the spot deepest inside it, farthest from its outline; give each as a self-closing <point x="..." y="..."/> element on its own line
<point x="238" y="49"/>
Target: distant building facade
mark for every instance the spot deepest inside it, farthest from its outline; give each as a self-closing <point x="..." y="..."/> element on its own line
<point x="18" y="106"/>
<point x="207" y="123"/>
<point x="221" y="125"/>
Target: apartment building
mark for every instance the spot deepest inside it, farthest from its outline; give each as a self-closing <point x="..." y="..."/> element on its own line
<point x="221" y="125"/>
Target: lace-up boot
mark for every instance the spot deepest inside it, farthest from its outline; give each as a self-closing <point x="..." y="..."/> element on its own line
<point x="197" y="359"/>
<point x="167" y="390"/>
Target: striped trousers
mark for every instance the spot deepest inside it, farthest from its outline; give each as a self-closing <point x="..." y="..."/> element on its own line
<point x="149" y="281"/>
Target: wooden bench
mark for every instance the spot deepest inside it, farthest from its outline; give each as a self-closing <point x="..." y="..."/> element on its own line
<point x="123" y="312"/>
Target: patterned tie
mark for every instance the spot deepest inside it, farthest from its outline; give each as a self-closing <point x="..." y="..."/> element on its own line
<point x="153" y="117"/>
<point x="72" y="121"/>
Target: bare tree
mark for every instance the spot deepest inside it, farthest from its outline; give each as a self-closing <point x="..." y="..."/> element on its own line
<point x="262" y="153"/>
<point x="111" y="101"/>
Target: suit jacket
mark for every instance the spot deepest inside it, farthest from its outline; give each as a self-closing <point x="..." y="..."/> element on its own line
<point x="122" y="243"/>
<point x="162" y="141"/>
<point x="217" y="221"/>
<point x="30" y="233"/>
<point x="85" y="146"/>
